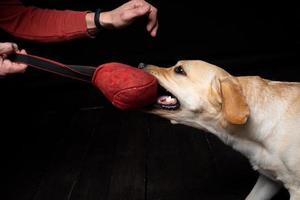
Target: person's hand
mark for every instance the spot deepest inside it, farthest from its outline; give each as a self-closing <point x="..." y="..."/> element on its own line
<point x="7" y="66"/>
<point x="128" y="12"/>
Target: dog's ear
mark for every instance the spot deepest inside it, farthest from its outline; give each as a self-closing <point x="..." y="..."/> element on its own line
<point x="234" y="106"/>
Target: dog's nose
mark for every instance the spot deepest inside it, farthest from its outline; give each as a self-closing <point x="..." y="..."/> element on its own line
<point x="142" y="65"/>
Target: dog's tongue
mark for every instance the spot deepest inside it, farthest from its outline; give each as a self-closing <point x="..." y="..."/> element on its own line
<point x="166" y="100"/>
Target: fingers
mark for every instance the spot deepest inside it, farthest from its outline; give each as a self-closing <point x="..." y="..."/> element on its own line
<point x="23" y="51"/>
<point x="17" y="67"/>
<point x="134" y="4"/>
<point x="21" y="67"/>
<point x="135" y="12"/>
<point x="8" y="67"/>
<point x="138" y="8"/>
<point x="4" y="67"/>
<point x="14" y="46"/>
<point x="153" y="32"/>
<point x="152" y="25"/>
<point x="7" y="48"/>
<point x="141" y="8"/>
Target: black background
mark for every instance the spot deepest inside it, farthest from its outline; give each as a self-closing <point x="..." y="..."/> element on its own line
<point x="62" y="140"/>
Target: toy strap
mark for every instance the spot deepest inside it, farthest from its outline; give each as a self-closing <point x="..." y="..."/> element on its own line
<point x="78" y="72"/>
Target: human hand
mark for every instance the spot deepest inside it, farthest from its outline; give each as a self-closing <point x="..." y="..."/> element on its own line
<point x="7" y="66"/>
<point x="128" y="12"/>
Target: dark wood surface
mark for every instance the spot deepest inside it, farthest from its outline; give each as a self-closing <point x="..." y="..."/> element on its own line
<point x="104" y="154"/>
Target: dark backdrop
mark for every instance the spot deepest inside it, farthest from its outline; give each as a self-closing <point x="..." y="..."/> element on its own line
<point x="62" y="140"/>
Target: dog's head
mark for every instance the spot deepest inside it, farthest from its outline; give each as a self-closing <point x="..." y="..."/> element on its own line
<point x="198" y="92"/>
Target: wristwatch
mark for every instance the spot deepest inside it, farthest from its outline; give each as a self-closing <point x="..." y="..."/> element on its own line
<point x="93" y="32"/>
<point x="97" y="20"/>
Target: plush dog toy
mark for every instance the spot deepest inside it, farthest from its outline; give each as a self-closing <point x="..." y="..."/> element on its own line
<point x="124" y="86"/>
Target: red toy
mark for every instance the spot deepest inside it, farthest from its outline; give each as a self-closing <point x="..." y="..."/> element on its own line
<point x="125" y="86"/>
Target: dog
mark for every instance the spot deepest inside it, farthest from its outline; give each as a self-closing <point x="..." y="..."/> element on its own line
<point x="258" y="117"/>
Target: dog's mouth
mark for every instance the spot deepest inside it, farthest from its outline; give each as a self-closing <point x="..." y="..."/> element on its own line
<point x="166" y="100"/>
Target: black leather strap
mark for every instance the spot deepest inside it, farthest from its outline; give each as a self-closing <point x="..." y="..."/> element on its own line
<point x="97" y="19"/>
<point x="78" y="72"/>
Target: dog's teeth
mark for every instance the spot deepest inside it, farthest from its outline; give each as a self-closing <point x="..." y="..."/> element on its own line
<point x="173" y="122"/>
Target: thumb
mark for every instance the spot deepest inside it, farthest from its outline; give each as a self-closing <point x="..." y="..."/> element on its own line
<point x="7" y="47"/>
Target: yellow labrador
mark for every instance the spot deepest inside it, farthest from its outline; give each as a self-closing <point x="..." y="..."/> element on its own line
<point x="257" y="117"/>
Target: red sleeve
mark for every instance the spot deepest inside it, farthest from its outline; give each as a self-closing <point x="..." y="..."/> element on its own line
<point x="41" y="25"/>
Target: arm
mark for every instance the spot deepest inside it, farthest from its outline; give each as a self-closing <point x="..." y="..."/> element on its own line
<point x="48" y="25"/>
<point x="41" y="25"/>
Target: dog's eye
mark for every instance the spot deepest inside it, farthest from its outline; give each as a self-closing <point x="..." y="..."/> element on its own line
<point x="179" y="70"/>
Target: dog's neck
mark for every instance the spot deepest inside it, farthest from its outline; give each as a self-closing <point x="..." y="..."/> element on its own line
<point x="263" y="100"/>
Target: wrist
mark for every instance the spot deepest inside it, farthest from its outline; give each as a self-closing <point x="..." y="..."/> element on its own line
<point x="90" y="24"/>
<point x="105" y="20"/>
<point x="89" y="18"/>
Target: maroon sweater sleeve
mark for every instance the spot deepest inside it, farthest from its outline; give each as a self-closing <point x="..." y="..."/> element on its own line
<point x="41" y="25"/>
